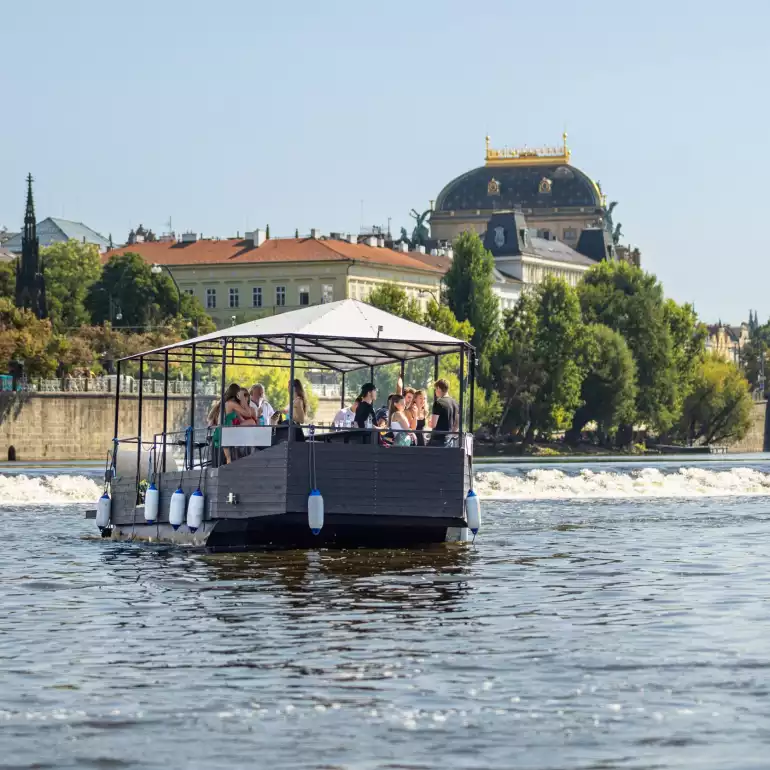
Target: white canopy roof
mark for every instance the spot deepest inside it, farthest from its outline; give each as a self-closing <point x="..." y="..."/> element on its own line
<point x="345" y="335"/>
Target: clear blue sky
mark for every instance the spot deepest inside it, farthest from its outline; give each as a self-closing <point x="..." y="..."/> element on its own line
<point x="227" y="116"/>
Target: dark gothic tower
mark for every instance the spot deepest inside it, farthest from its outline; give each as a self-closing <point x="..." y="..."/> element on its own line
<point x="30" y="285"/>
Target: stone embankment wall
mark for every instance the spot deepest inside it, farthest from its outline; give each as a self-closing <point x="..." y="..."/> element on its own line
<point x="80" y="426"/>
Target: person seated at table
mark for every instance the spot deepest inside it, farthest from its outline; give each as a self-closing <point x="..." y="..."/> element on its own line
<point x="445" y="417"/>
<point x="365" y="410"/>
<point x="259" y="404"/>
<point x="344" y="416"/>
<point x="399" y="422"/>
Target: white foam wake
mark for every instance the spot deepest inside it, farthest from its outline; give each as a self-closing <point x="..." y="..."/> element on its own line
<point x="547" y="483"/>
<point x="26" y="490"/>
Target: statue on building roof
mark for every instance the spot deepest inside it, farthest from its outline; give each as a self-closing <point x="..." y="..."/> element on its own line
<point x="421" y="232"/>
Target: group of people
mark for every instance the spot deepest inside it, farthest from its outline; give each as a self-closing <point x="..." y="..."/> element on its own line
<point x="406" y="415"/>
<point x="250" y="408"/>
<point x="402" y="422"/>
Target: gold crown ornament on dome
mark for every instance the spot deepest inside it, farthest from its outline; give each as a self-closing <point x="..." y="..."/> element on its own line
<point x="528" y="156"/>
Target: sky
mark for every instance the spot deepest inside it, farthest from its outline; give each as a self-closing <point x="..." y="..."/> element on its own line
<point x="229" y="116"/>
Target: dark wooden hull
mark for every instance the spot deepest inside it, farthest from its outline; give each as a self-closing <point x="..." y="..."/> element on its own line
<point x="373" y="496"/>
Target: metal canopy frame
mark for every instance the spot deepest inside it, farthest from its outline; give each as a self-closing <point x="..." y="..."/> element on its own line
<point x="341" y="354"/>
<point x="337" y="353"/>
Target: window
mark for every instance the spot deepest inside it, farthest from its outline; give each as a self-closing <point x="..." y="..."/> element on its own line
<point x="570" y="234"/>
<point x="304" y="295"/>
<point x="234" y="297"/>
<point x="191" y="292"/>
<point x="256" y="296"/>
<point x="211" y="298"/>
<point x="327" y="293"/>
<point x="280" y="296"/>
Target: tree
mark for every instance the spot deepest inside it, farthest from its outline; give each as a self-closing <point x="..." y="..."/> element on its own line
<point x="8" y="279"/>
<point x="515" y="369"/>
<point x="468" y="290"/>
<point x="25" y="340"/>
<point x="537" y="365"/>
<point x="719" y="407"/>
<point x="688" y="340"/>
<point x="70" y="269"/>
<point x="267" y="232"/>
<point x="128" y="288"/>
<point x="631" y="302"/>
<point x="391" y="298"/>
<point x="608" y="390"/>
<point x="193" y="320"/>
<point x="441" y="319"/>
<point x="75" y="356"/>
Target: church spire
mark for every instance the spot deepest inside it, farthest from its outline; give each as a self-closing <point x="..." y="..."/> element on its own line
<point x="30" y="225"/>
<point x="30" y="286"/>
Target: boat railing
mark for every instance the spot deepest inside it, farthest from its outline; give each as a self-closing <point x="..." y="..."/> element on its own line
<point x="192" y="448"/>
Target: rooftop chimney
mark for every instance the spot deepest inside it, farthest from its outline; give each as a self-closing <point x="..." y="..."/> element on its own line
<point x="314" y="233"/>
<point x="352" y="238"/>
<point x="371" y="241"/>
<point x="380" y="243"/>
<point x="256" y="238"/>
<point x="434" y="252"/>
<point x="187" y="237"/>
<point x="403" y="246"/>
<point x="421" y="249"/>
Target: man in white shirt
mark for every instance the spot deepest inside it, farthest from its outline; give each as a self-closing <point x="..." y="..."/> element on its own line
<point x="345" y="416"/>
<point x="258" y="401"/>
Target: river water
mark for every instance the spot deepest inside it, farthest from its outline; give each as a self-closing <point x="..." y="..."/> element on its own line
<point x="611" y="616"/>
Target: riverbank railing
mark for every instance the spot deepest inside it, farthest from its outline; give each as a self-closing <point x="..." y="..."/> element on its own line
<point x="128" y="385"/>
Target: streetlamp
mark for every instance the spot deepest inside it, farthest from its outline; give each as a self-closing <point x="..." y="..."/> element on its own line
<point x="113" y="316"/>
<point x="157" y="270"/>
<point x="423" y="292"/>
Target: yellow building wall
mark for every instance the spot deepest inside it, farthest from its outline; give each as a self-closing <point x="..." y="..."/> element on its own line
<point x="344" y="279"/>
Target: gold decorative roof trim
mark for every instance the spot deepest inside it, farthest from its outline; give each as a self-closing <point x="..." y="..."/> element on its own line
<point x="527" y="156"/>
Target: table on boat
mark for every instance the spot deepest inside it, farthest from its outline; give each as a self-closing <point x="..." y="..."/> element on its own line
<point x="344" y="435"/>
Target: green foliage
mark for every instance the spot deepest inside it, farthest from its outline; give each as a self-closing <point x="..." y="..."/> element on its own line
<point x="391" y="298"/>
<point x="25" y="340"/>
<point x="719" y="407"/>
<point x="70" y="269"/>
<point x="662" y="337"/>
<point x="8" y="279"/>
<point x="141" y="297"/>
<point x="536" y="365"/>
<point x="441" y="319"/>
<point x="754" y="359"/>
<point x="193" y="319"/>
<point x="608" y="390"/>
<point x="468" y="290"/>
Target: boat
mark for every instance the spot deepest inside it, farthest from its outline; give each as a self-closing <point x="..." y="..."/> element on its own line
<point x="293" y="485"/>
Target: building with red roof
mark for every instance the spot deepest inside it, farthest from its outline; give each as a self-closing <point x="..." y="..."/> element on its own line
<point x="238" y="279"/>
